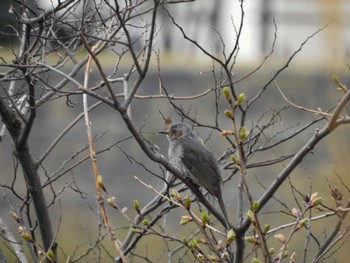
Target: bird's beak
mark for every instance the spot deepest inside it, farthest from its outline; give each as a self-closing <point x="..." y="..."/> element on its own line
<point x="163" y="132"/>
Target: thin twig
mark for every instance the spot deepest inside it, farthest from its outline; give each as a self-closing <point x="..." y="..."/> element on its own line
<point x="94" y="160"/>
<point x="316" y="112"/>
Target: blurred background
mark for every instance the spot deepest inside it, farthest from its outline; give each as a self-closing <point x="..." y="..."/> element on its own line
<point x="280" y="26"/>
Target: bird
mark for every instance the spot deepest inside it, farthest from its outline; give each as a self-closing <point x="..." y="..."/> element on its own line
<point x="188" y="154"/>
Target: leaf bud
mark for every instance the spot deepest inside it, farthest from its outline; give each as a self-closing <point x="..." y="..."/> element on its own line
<point x="175" y="193"/>
<point x="250" y="216"/>
<point x="214" y="258"/>
<point x="112" y="202"/>
<point x="230" y="237"/>
<point x="137" y="206"/>
<point x="185" y="220"/>
<point x="228" y="114"/>
<point x="296" y="212"/>
<point x="243" y="133"/>
<point x="315" y="200"/>
<point x="51" y="255"/>
<point x="187" y="202"/>
<point x="205" y="218"/>
<point x="227" y="93"/>
<point x="280" y="237"/>
<point x="15" y="216"/>
<point x="225" y="133"/>
<point x="266" y="229"/>
<point x="251" y="240"/>
<point x="256" y="206"/>
<point x="100" y="183"/>
<point x="25" y="234"/>
<point x="241" y="98"/>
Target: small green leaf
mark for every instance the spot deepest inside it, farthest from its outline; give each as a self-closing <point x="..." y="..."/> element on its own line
<point x="185" y="220"/>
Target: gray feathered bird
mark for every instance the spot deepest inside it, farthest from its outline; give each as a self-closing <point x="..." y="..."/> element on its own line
<point x="189" y="155"/>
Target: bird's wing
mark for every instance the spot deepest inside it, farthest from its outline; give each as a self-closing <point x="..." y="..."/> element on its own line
<point x="203" y="165"/>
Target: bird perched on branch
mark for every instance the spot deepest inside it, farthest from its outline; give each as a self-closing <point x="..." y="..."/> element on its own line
<point x="188" y="154"/>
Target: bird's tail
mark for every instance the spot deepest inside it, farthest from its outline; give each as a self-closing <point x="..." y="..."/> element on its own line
<point x="224" y="211"/>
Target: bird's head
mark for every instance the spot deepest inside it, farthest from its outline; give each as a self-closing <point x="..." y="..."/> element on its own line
<point x="180" y="130"/>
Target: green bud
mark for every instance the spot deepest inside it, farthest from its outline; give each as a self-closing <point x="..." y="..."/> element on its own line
<point x="255" y="260"/>
<point x="250" y="215"/>
<point x="51" y="255"/>
<point x="251" y="240"/>
<point x="145" y="222"/>
<point x="176" y="195"/>
<point x="315" y="200"/>
<point x="272" y="251"/>
<point x="193" y="244"/>
<point x="336" y="80"/>
<point x="200" y="257"/>
<point x="230" y="237"/>
<point x="228" y="114"/>
<point x="241" y="97"/>
<point x="340" y="86"/>
<point x="187" y="202"/>
<point x="318" y="201"/>
<point x="243" y="133"/>
<point x="301" y="223"/>
<point x="112" y="202"/>
<point x="266" y="229"/>
<point x="214" y="258"/>
<point x="233" y="159"/>
<point x="185" y="220"/>
<point x="227" y="93"/>
<point x="256" y="206"/>
<point x="205" y="218"/>
<point x="25" y="234"/>
<point x="134" y="230"/>
<point x="285" y="254"/>
<point x="137" y="206"/>
<point x="100" y="183"/>
<point x="15" y="216"/>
